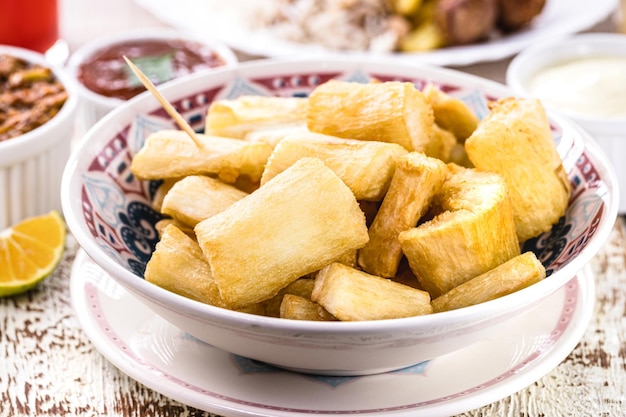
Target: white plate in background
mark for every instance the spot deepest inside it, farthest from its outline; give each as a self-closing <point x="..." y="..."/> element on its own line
<point x="219" y="19"/>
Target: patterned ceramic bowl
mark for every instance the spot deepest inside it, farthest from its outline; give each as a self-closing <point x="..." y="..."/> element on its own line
<point x="109" y="212"/>
<point x="31" y="165"/>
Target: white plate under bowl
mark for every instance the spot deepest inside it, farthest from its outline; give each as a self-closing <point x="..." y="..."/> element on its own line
<point x="168" y="360"/>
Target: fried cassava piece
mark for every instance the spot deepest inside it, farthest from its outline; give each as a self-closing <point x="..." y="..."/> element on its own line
<point x="513" y="275"/>
<point x="515" y="141"/>
<point x="198" y="197"/>
<point x="235" y="118"/>
<point x="299" y="308"/>
<point x="173" y="154"/>
<point x="473" y="233"/>
<point x="296" y="223"/>
<point x="178" y="265"/>
<point x="393" y="111"/>
<point x="451" y="113"/>
<point x="353" y="295"/>
<point x="366" y="167"/>
<point x="414" y="184"/>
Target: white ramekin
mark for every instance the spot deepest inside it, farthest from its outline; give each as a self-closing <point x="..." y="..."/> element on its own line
<point x="93" y="105"/>
<point x="31" y="165"/>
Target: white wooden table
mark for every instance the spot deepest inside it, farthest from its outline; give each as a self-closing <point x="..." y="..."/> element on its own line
<point x="50" y="368"/>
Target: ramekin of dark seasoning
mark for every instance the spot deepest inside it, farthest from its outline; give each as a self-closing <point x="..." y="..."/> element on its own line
<point x="38" y="105"/>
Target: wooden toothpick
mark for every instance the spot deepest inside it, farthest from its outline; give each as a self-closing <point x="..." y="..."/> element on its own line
<point x="180" y="121"/>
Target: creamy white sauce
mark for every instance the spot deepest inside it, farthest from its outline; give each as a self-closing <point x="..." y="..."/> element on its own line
<point x="588" y="86"/>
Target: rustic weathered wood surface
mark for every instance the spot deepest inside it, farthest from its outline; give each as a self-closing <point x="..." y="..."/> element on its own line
<point x="50" y="368"/>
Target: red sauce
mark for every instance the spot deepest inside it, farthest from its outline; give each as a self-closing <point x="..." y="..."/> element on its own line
<point x="106" y="73"/>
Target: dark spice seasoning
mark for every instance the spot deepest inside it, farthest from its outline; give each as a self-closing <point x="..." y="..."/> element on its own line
<point x="30" y="95"/>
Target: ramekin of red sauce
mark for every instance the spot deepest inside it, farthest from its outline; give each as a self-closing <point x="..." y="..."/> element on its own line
<point x="105" y="80"/>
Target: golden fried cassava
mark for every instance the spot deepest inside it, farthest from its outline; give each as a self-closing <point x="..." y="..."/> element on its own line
<point x="515" y="141"/>
<point x="353" y="295"/>
<point x="473" y="233"/>
<point x="416" y="180"/>
<point x="366" y="167"/>
<point x="301" y="220"/>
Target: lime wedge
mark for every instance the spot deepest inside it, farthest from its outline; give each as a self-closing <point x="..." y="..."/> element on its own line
<point x="30" y="251"/>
